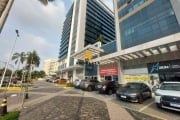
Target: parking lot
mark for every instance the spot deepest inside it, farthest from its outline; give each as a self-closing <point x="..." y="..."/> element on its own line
<point x="148" y="107"/>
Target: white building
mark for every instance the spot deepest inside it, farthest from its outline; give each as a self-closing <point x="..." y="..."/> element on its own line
<point x="51" y="66"/>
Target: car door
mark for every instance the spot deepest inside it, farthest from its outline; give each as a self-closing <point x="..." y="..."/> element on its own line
<point x="146" y="91"/>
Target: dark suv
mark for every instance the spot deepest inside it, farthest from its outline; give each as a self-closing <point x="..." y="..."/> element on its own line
<point x="108" y="87"/>
<point x="88" y="85"/>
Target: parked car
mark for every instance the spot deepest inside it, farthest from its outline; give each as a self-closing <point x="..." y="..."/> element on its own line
<point x="134" y="92"/>
<point x="167" y="95"/>
<point x="108" y="87"/>
<point x="76" y="83"/>
<point x="48" y="79"/>
<point x="55" y="80"/>
<point x="88" y="85"/>
<point x="82" y="84"/>
<point x="62" y="81"/>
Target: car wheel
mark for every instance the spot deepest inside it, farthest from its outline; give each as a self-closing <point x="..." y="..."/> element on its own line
<point x="89" y="88"/>
<point x="109" y="92"/>
<point x="158" y="105"/>
<point x="150" y="95"/>
<point x="140" y="99"/>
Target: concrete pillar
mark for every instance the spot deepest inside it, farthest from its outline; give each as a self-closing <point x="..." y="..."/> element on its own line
<point x="74" y="75"/>
<point x="98" y="73"/>
<point x="84" y="71"/>
<point x="65" y="75"/>
<point x="120" y="73"/>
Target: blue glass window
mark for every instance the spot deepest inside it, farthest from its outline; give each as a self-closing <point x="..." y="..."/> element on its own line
<point x="152" y="22"/>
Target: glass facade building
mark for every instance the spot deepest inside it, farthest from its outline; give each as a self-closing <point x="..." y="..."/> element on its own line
<point x="151" y="22"/>
<point x="66" y="35"/>
<point x="98" y="22"/>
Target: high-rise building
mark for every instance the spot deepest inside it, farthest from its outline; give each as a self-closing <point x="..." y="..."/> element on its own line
<point x="5" y="6"/>
<point x="85" y="22"/>
<point x="148" y="40"/>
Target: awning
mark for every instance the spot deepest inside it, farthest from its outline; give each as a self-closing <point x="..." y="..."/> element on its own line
<point x="94" y="51"/>
<point x="160" y="46"/>
<point x="71" y="68"/>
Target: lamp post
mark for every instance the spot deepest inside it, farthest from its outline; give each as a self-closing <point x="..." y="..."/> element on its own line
<point x="3" y="107"/>
<point x="11" y="54"/>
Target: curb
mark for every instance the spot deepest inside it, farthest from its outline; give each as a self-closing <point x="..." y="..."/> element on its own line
<point x="11" y="89"/>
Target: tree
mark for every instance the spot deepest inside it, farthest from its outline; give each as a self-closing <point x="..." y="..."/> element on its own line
<point x="19" y="58"/>
<point x="37" y="74"/>
<point x="8" y="72"/>
<point x="100" y="38"/>
<point x="32" y="60"/>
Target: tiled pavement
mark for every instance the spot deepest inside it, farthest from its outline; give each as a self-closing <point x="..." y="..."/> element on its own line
<point x="70" y="104"/>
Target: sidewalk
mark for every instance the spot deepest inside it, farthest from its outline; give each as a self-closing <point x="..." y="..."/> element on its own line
<point x="73" y="105"/>
<point x="115" y="112"/>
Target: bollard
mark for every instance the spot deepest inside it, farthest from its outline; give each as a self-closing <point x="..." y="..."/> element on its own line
<point x="3" y="108"/>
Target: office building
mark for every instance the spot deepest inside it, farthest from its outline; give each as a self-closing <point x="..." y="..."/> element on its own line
<point x="147" y="39"/>
<point x="51" y="66"/>
<point x="85" y="22"/>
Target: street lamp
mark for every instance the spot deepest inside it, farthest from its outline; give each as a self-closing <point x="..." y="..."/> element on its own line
<point x="3" y="108"/>
<point x="11" y="54"/>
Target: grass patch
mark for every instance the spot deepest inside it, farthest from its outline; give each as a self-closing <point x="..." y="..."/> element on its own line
<point x="11" y="116"/>
<point x="69" y="85"/>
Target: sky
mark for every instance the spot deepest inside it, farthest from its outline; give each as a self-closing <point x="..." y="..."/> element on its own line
<point x="39" y="27"/>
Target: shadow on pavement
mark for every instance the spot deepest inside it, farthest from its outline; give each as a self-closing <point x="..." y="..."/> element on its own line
<point x="140" y="116"/>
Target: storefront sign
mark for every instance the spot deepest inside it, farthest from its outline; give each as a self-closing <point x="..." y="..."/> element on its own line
<point x="108" y="71"/>
<point x="136" y="77"/>
<point x="173" y="65"/>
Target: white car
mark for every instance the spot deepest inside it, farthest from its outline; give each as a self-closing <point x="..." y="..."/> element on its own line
<point x="167" y="95"/>
<point x="77" y="83"/>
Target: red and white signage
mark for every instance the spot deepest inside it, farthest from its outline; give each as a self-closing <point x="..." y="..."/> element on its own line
<point x="108" y="71"/>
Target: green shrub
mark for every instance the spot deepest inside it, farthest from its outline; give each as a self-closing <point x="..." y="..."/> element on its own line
<point x="69" y="85"/>
<point x="11" y="116"/>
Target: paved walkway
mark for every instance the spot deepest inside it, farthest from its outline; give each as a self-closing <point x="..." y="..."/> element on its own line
<point x="115" y="112"/>
<point x="72" y="105"/>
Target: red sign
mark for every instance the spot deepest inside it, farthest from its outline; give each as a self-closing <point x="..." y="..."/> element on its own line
<point x="108" y="71"/>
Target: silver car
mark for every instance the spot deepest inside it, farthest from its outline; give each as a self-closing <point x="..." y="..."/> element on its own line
<point x="167" y="95"/>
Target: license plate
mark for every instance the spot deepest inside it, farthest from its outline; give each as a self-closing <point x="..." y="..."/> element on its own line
<point x="123" y="96"/>
<point x="175" y="105"/>
<point x="99" y="86"/>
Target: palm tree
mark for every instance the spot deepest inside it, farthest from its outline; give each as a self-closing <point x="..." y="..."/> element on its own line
<point x="32" y="60"/>
<point x="19" y="58"/>
<point x="100" y="38"/>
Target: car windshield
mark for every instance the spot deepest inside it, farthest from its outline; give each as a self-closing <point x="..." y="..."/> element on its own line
<point x="170" y="86"/>
<point x="133" y="86"/>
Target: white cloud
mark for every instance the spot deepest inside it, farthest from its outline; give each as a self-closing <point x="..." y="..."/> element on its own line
<point x="109" y="3"/>
<point x="39" y="28"/>
<point x="34" y="15"/>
